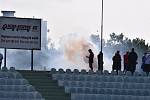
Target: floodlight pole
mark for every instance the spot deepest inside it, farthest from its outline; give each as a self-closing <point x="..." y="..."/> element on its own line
<point x="32" y="60"/>
<point x="102" y="28"/>
<point x="100" y="55"/>
<point x="5" y="50"/>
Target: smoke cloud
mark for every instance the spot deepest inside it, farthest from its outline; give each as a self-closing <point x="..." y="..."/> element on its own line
<point x="75" y="49"/>
<point x="71" y="53"/>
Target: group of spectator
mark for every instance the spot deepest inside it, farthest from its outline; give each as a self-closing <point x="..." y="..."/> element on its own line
<point x="129" y="60"/>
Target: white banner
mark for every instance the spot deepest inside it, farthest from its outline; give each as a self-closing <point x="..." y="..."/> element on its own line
<point x="20" y="33"/>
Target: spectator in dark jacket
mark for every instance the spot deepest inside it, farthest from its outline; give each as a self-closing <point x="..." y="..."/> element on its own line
<point x="100" y="61"/>
<point x="116" y="61"/>
<point x="91" y="57"/>
<point x="132" y="61"/>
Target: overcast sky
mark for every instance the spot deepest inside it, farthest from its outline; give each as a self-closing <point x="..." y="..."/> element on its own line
<point x="131" y="17"/>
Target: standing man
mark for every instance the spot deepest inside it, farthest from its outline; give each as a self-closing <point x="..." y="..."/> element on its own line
<point x="116" y="61"/>
<point x="91" y="56"/>
<point x="125" y="58"/>
<point x="1" y="58"/>
<point x="100" y="61"/>
<point x="132" y="61"/>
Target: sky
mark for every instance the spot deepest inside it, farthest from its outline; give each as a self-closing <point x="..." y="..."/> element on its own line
<point x="130" y="17"/>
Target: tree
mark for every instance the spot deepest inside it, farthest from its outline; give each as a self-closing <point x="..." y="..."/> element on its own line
<point x="116" y="39"/>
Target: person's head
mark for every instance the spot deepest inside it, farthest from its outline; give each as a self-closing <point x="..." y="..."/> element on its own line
<point x="132" y="49"/>
<point x="127" y="52"/>
<point x="90" y="50"/>
<point x="118" y="52"/>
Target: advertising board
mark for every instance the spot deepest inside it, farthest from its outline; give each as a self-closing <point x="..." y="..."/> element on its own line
<point x="20" y="33"/>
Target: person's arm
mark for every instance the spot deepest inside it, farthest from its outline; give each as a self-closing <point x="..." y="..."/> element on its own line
<point x="87" y="56"/>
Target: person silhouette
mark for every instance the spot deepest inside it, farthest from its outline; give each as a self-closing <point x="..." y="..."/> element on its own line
<point x="116" y="61"/>
<point x="146" y="63"/>
<point x="143" y="61"/>
<point x="132" y="59"/>
<point x="91" y="56"/>
<point x="125" y="59"/>
<point x="100" y="61"/>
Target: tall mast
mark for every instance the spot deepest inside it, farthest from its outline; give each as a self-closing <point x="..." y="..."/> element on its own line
<point x="102" y="28"/>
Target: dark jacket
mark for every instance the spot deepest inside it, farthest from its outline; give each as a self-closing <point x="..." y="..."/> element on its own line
<point x="91" y="56"/>
<point x="132" y="58"/>
<point x="132" y="61"/>
<point x="116" y="62"/>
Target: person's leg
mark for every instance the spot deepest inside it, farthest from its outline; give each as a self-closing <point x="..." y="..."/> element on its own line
<point x="125" y="68"/>
<point x="114" y="66"/>
<point x="0" y="65"/>
<point x="133" y="69"/>
<point x="98" y="65"/>
<point x="118" y="66"/>
<point x="147" y="68"/>
<point x="90" y="65"/>
<point x="124" y="65"/>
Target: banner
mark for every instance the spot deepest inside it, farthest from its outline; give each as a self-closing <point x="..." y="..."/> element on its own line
<point x="20" y="33"/>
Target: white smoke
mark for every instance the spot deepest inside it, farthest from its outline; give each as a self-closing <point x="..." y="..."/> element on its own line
<point x="75" y="49"/>
<point x="71" y="53"/>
